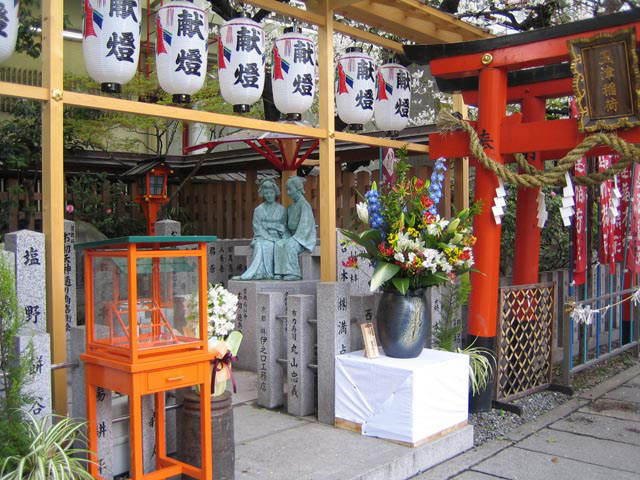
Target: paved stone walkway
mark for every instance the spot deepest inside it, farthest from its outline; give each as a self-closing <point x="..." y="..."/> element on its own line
<point x="596" y="435"/>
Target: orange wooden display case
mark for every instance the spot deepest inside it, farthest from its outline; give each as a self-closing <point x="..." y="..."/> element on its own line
<point x="146" y="327"/>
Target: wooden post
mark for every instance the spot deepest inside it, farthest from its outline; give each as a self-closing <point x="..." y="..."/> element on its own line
<point x="327" y="148"/>
<point x="284" y="196"/>
<point x="460" y="165"/>
<point x="53" y="191"/>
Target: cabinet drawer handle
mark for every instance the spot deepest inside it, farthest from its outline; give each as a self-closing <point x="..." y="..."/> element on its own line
<point x="175" y="379"/>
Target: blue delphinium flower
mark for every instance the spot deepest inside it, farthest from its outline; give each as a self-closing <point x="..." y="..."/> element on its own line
<point x="373" y="203"/>
<point x="435" y="185"/>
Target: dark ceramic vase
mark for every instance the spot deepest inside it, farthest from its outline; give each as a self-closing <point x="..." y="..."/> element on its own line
<point x="403" y="323"/>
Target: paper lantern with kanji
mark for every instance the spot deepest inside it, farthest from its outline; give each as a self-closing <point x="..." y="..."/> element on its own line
<point x="181" y="49"/>
<point x="393" y="97"/>
<point x="8" y="27"/>
<point x="241" y="63"/>
<point x="111" y="41"/>
<point x="355" y="87"/>
<point x="293" y="73"/>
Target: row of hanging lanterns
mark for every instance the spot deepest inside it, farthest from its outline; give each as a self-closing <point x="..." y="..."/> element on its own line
<point x="111" y="49"/>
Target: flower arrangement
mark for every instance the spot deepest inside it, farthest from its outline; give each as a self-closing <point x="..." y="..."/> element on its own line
<point x="407" y="242"/>
<point x="224" y="342"/>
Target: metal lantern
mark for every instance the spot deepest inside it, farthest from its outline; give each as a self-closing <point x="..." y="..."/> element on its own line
<point x="8" y="27"/>
<point x="355" y="85"/>
<point x="111" y="41"/>
<point x="293" y="73"/>
<point x="393" y="97"/>
<point x="241" y="63"/>
<point x="181" y="49"/>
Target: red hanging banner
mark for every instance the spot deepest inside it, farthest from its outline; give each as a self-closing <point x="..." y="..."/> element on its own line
<point x="633" y="252"/>
<point x="607" y="222"/>
<point x="624" y="185"/>
<point x="580" y="229"/>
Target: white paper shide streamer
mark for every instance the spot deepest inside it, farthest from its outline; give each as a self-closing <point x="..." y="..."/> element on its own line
<point x="111" y="41"/>
<point x="542" y="214"/>
<point x="567" y="211"/>
<point x="8" y="27"/>
<point x="241" y="63"/>
<point x="181" y="49"/>
<point x="393" y="97"/>
<point x="293" y="73"/>
<point x="355" y="84"/>
<point x="499" y="202"/>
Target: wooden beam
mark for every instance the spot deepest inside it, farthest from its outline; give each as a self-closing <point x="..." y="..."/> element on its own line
<point x="460" y="164"/>
<point x="53" y="190"/>
<point x="24" y="91"/>
<point x="328" y="256"/>
<point x="288" y="11"/>
<point x="549" y="89"/>
<point x="368" y="37"/>
<point x="337" y="4"/>
<point x="380" y="142"/>
<point x="185" y="114"/>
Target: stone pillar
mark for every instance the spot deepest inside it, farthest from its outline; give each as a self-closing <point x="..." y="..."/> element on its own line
<point x="333" y="339"/>
<point x="168" y="228"/>
<point x="271" y="346"/>
<point x="38" y="387"/>
<point x="301" y="338"/>
<point x="363" y="309"/>
<point x="223" y="263"/>
<point x="357" y="278"/>
<point x="104" y="417"/>
<point x="70" y="283"/>
<point x="28" y="250"/>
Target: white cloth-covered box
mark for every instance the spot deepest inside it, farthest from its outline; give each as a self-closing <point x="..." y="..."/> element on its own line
<point x="405" y="400"/>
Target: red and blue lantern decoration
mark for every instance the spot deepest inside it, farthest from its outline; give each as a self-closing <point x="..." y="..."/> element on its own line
<point x="8" y="27"/>
<point x="293" y="73"/>
<point x="241" y="63"/>
<point x="181" y="49"/>
<point x="393" y="97"/>
<point x="111" y="41"/>
<point x="355" y="86"/>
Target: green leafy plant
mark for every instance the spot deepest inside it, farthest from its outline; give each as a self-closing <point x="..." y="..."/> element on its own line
<point x="51" y="453"/>
<point x="14" y="367"/>
<point x="408" y="243"/>
<point x="481" y="360"/>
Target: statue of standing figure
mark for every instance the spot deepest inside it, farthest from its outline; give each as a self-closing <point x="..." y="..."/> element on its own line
<point x="279" y="235"/>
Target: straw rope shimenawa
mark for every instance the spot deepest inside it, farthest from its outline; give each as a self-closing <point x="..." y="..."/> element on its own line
<point x="531" y="176"/>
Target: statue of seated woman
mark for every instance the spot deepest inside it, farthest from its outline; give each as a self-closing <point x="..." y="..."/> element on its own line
<point x="301" y="236"/>
<point x="268" y="227"/>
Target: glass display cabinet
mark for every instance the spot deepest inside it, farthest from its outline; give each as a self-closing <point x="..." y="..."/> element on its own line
<point x="146" y="333"/>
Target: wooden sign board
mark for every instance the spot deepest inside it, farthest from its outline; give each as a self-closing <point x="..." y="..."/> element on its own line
<point x="606" y="80"/>
<point x="370" y="342"/>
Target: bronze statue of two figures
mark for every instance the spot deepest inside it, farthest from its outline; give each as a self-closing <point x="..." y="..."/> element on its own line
<point x="280" y="234"/>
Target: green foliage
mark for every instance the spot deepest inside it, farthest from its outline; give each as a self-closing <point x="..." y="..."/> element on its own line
<point x="554" y="237"/>
<point x="89" y="191"/>
<point x="14" y="368"/>
<point x="481" y="360"/>
<point x="51" y="454"/>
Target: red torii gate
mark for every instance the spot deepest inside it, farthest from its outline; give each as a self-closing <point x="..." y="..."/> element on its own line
<point x="526" y="68"/>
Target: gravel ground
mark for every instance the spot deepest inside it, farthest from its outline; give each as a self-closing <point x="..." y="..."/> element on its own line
<point x="497" y="423"/>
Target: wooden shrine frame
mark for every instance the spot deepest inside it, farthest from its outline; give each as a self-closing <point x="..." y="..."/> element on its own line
<point x="420" y="23"/>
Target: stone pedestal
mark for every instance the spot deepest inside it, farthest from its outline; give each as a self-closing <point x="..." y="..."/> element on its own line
<point x="247" y="319"/>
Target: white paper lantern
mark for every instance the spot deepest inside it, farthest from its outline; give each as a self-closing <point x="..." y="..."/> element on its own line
<point x="241" y="63"/>
<point x="293" y="73"/>
<point x="181" y="49"/>
<point x="355" y="86"/>
<point x="8" y="27"/>
<point x="393" y="97"/>
<point x="111" y="41"/>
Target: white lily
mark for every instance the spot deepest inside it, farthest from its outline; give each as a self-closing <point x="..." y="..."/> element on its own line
<point x="363" y="212"/>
